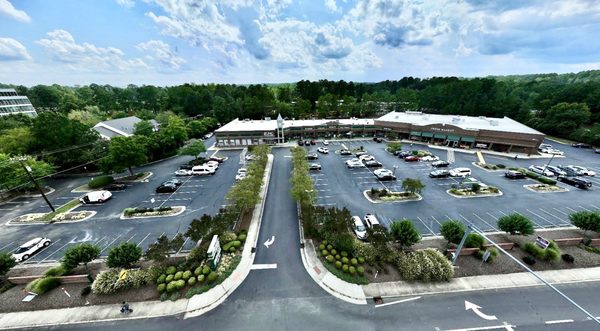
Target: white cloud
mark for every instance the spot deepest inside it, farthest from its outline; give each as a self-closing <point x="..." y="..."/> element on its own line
<point x="12" y="50"/>
<point x="63" y="48"/>
<point x="162" y="52"/>
<point x="126" y="3"/>
<point x="331" y="5"/>
<point x="7" y="9"/>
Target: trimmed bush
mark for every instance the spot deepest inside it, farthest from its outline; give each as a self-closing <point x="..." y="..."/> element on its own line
<point x="124" y="255"/>
<point x="242" y="237"/>
<point x="474" y="240"/>
<point x="345" y="260"/>
<point x="405" y="232"/>
<point x="172" y="286"/>
<point x="329" y="258"/>
<point x="43" y="285"/>
<point x="226" y="237"/>
<point x="515" y="224"/>
<point x="169" y="278"/>
<point x="161" y="279"/>
<point x="232" y="249"/>
<point x="352" y="270"/>
<point x="361" y="259"/>
<point x="201" y="278"/>
<point x="212" y="277"/>
<point x="360" y="270"/>
<point x="237" y="244"/>
<point x="198" y="271"/>
<point x="568" y="258"/>
<point x="325" y="242"/>
<point x="344" y="253"/>
<point x="56" y="271"/>
<point x="324" y="252"/>
<point x="161" y="287"/>
<point x="186" y="275"/>
<point x="424" y="265"/>
<point x="178" y="275"/>
<point x="345" y="268"/>
<point x="180" y="284"/>
<point x="171" y="270"/>
<point x="206" y="270"/>
<point x="337" y="256"/>
<point x="453" y="231"/>
<point x="338" y="264"/>
<point x="354" y="261"/>
<point x="333" y="252"/>
<point x="529" y="260"/>
<point x="100" y="181"/>
<point x="191" y="281"/>
<point x="329" y="247"/>
<point x="321" y="247"/>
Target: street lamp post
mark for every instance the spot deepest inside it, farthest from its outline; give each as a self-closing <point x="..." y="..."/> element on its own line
<point x="547" y="164"/>
<point x="28" y="171"/>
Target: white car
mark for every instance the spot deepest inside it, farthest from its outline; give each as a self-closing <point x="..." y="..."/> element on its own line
<point x="323" y="150"/>
<point x="354" y="163"/>
<point x="213" y="164"/>
<point x="460" y="172"/>
<point x="325" y="142"/>
<point x="250" y="157"/>
<point x="552" y="151"/>
<point x="359" y="228"/>
<point x="202" y="170"/>
<point x="584" y="171"/>
<point x="382" y="172"/>
<point x="29" y="248"/>
<point x="365" y="158"/>
<point x="545" y="146"/>
<point x="371" y="221"/>
<point x="183" y="172"/>
<point x="541" y="171"/>
<point x="96" y="197"/>
<point x="430" y="158"/>
<point x="241" y="174"/>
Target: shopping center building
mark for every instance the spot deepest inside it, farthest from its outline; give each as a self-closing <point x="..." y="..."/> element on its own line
<point x="499" y="134"/>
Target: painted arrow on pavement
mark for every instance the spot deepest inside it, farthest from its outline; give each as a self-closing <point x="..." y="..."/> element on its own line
<point x="269" y="242"/>
<point x="475" y="308"/>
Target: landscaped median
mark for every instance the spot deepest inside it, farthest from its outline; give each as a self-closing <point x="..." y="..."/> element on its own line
<point x="62" y="214"/>
<point x="547" y="185"/>
<point x="375" y="195"/>
<point x="143" y="212"/>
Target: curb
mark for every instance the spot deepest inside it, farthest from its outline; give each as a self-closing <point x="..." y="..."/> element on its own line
<point x="122" y="217"/>
<point x="476" y="196"/>
<point x="419" y="198"/>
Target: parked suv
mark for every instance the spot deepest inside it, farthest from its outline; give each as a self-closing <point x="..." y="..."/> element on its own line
<point x="371" y="221"/>
<point x="576" y="181"/>
<point x="513" y="174"/>
<point x="460" y="172"/>
<point x="358" y="228"/>
<point x="29" y="248"/>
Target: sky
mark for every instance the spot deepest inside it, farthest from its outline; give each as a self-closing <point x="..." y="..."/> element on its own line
<point x="170" y="42"/>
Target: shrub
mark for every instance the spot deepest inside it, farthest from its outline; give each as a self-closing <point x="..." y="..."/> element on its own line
<point x="7" y="262"/>
<point x="56" y="271"/>
<point x="334" y="252"/>
<point x="345" y="260"/>
<point x="321" y="247"/>
<point x="43" y="285"/>
<point x="161" y="287"/>
<point x="361" y="259"/>
<point x="226" y="237"/>
<point x="546" y="180"/>
<point x="360" y="270"/>
<point x="169" y="278"/>
<point x="232" y="249"/>
<point x="551" y="253"/>
<point x="352" y="270"/>
<point x="191" y="281"/>
<point x="198" y="271"/>
<point x="329" y="258"/>
<point x="161" y="279"/>
<point x="515" y="224"/>
<point x="337" y="256"/>
<point x="354" y="261"/>
<point x="172" y="286"/>
<point x="325" y="242"/>
<point x="345" y="268"/>
<point x="405" y="233"/>
<point x="242" y="237"/>
<point x="493" y="254"/>
<point x="338" y="264"/>
<point x="124" y="255"/>
<point x="324" y="252"/>
<point x="206" y="270"/>
<point x="80" y="253"/>
<point x="212" y="277"/>
<point x="344" y="253"/>
<point x="85" y="291"/>
<point x="237" y="243"/>
<point x="345" y="243"/>
<point x="187" y="274"/>
<point x="586" y="220"/>
<point x="100" y="181"/>
<point x="366" y="252"/>
<point x="201" y="278"/>
<point x="164" y="296"/>
<point x="329" y="247"/>
<point x="180" y="284"/>
<point x="529" y="260"/>
<point x="174" y="296"/>
<point x="178" y="275"/>
<point x="474" y="240"/>
<point x="424" y="265"/>
<point x="453" y="231"/>
<point x="171" y="270"/>
<point x="568" y="258"/>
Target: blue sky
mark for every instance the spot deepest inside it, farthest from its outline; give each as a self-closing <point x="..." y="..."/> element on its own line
<point x="168" y="42"/>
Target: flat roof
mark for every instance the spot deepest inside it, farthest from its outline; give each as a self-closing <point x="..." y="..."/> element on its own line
<point x="271" y="125"/>
<point x="504" y="124"/>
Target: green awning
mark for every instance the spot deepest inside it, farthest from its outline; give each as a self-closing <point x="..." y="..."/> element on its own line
<point x="439" y="135"/>
<point x="467" y="139"/>
<point x="452" y="137"/>
<point x="415" y="133"/>
<point x="427" y="134"/>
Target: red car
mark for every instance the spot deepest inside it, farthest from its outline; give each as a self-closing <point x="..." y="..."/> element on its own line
<point x="411" y="158"/>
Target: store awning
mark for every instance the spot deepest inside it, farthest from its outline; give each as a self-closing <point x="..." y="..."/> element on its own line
<point x="467" y="139"/>
<point x="415" y="133"/>
<point x="427" y="134"/>
<point x="439" y="136"/>
<point x="452" y="137"/>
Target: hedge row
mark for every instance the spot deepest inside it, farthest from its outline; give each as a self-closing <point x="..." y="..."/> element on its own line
<point x="100" y="181"/>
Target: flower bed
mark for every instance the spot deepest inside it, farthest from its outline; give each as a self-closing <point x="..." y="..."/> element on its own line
<point x="490" y="167"/>
<point x="489" y="191"/>
<point x="152" y="212"/>
<point x="545" y="188"/>
<point x="341" y="264"/>
<point x="384" y="195"/>
<point x="63" y="213"/>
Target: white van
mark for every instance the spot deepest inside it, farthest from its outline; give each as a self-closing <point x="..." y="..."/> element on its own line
<point x="460" y="172"/>
<point x="95" y="197"/>
<point x="202" y="170"/>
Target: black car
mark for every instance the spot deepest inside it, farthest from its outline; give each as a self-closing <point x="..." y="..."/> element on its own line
<point x="576" y="181"/>
<point x="313" y="142"/>
<point x="115" y="187"/>
<point x="312" y="156"/>
<point x="300" y="142"/>
<point x="345" y="152"/>
<point x="373" y="164"/>
<point x="377" y="139"/>
<point x="173" y="181"/>
<point x="440" y="164"/>
<point x="404" y="154"/>
<point x="581" y="145"/>
<point x="166" y="188"/>
<point x="216" y="158"/>
<point x="439" y="174"/>
<point x="186" y="166"/>
<point x="386" y="177"/>
<point x="513" y="174"/>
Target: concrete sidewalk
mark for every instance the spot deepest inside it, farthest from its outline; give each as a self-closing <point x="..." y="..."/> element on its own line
<point x="197" y="305"/>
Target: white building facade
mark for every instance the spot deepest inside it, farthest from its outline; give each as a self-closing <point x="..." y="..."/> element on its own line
<point x="12" y="103"/>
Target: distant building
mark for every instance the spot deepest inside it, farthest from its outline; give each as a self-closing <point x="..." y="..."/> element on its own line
<point x="12" y="103"/>
<point x="120" y="127"/>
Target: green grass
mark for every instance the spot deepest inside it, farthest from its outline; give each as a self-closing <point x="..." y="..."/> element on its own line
<point x="71" y="204"/>
<point x="347" y="277"/>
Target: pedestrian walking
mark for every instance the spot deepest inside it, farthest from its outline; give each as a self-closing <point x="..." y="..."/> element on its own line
<point x="125" y="308"/>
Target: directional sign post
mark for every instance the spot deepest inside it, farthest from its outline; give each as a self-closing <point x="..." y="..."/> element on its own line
<point x="475" y="308"/>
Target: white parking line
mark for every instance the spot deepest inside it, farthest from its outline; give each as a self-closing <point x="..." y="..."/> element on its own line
<point x="395" y="302"/>
<point x="558" y="218"/>
<point x="481" y="219"/>
<point x="558" y="322"/>
<point x="105" y="247"/>
<point x="321" y="184"/>
<point x="595" y="206"/>
<point x="468" y="221"/>
<point x="128" y="240"/>
<point x="325" y="204"/>
<point x="435" y="219"/>
<point x="61" y="247"/>
<point x="138" y="245"/>
<point x="582" y="207"/>
<point x="3" y="247"/>
<point x="328" y="190"/>
<point x="542" y="217"/>
<point x="428" y="228"/>
<point x="560" y="211"/>
<point x="571" y="209"/>
<point x="180" y="248"/>
<point x="98" y="240"/>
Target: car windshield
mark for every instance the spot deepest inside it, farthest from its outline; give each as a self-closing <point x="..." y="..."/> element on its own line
<point x="22" y="250"/>
<point x="360" y="228"/>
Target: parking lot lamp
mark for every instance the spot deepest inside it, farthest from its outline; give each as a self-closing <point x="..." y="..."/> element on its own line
<point x="547" y="164"/>
<point x="28" y="171"/>
<point x="460" y="246"/>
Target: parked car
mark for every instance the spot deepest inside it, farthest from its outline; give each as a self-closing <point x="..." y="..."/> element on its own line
<point x="384" y="174"/>
<point x="460" y="172"/>
<point x="212" y="164"/>
<point x="365" y="158"/>
<point x="372" y="164"/>
<point x="28" y="249"/>
<point x="556" y="170"/>
<point x="404" y="154"/>
<point x="216" y="159"/>
<point x="96" y="197"/>
<point x="430" y="158"/>
<point x="439" y="174"/>
<point x="411" y="158"/>
<point x="314" y="166"/>
<point x="307" y="143"/>
<point x="571" y="171"/>
<point x="166" y="188"/>
<point x="183" y="172"/>
<point x="377" y="139"/>
<point x="186" y="167"/>
<point x="470" y="182"/>
<point x="576" y="181"/>
<point x="513" y="174"/>
<point x="584" y="171"/>
<point x="115" y="187"/>
<point x="358" y="228"/>
<point x="354" y="163"/>
<point x="597" y="150"/>
<point x="541" y="171"/>
<point x="326" y="142"/>
<point x="581" y="145"/>
<point x="323" y="150"/>
<point x="300" y="142"/>
<point x="312" y="156"/>
<point x="202" y="170"/>
<point x="345" y="152"/>
<point x="371" y="221"/>
<point x="313" y="142"/>
<point x="208" y="135"/>
<point x="552" y="151"/>
<point x="241" y="174"/>
<point x="360" y="153"/>
<point x="544" y="146"/>
<point x="440" y="164"/>
<point x="173" y="181"/>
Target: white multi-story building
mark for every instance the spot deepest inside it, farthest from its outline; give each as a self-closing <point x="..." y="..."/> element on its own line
<point x="12" y="103"/>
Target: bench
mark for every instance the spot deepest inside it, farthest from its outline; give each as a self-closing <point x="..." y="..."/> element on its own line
<point x="565" y="242"/>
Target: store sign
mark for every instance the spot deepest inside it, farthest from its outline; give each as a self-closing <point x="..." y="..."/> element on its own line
<point x="542" y="242"/>
<point x="214" y="252"/>
<point x="269" y="134"/>
<point x="441" y="129"/>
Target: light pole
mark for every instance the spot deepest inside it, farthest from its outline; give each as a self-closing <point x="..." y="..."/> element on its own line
<point x="28" y="171"/>
<point x="547" y="164"/>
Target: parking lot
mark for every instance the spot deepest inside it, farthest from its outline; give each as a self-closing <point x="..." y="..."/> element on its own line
<point x="337" y="185"/>
<point x="200" y="195"/>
